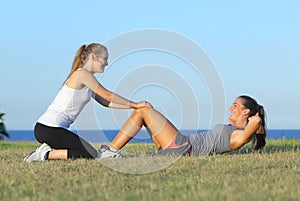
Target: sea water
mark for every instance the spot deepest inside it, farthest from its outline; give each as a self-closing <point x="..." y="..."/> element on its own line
<point x="141" y="137"/>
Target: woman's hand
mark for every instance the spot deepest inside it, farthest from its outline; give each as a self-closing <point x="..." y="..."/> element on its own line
<point x="258" y="121"/>
<point x="244" y="136"/>
<point x="255" y="118"/>
<point x="142" y="104"/>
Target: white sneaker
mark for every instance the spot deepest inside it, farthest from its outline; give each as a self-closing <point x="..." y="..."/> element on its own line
<point x="39" y="154"/>
<point x="105" y="152"/>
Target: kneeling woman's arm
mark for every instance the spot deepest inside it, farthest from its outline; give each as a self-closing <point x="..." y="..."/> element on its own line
<point x="104" y="96"/>
<point x="106" y="103"/>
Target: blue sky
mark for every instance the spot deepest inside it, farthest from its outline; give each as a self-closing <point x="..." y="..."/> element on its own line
<point x="255" y="47"/>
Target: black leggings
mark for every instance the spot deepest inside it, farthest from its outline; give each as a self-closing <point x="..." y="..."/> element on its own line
<point x="60" y="138"/>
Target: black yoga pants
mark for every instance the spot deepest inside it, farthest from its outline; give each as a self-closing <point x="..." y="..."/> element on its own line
<point x="60" y="138"/>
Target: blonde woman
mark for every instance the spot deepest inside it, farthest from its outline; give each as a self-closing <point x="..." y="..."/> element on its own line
<point x="79" y="87"/>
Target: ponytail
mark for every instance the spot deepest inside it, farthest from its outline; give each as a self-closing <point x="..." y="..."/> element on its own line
<point x="82" y="55"/>
<point x="260" y="134"/>
<point x="259" y="138"/>
<point x="77" y="63"/>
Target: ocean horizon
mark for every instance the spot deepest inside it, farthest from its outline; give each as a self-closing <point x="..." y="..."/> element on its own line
<point x="142" y="136"/>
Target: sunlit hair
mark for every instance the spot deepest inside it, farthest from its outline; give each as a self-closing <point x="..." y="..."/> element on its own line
<point x="82" y="54"/>
<point x="254" y="107"/>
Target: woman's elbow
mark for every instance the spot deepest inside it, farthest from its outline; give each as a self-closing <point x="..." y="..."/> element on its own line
<point x="239" y="142"/>
<point x="108" y="96"/>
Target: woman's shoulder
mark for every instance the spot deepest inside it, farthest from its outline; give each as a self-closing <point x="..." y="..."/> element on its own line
<point x="82" y="71"/>
<point x="225" y="127"/>
<point x="230" y="126"/>
<point x="82" y="74"/>
<point x="77" y="79"/>
<point x="218" y="126"/>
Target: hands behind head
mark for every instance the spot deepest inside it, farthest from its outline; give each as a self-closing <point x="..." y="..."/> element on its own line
<point x="254" y="118"/>
<point x="142" y="104"/>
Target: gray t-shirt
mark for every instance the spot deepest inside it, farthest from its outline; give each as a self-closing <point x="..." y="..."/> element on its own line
<point x="216" y="140"/>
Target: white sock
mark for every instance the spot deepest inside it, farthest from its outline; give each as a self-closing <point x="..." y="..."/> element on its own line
<point x="113" y="149"/>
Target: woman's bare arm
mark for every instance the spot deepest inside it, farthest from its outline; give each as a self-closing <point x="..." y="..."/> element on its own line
<point x="88" y="80"/>
<point x="241" y="137"/>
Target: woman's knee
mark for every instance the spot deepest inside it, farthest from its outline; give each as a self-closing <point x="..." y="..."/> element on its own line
<point x="40" y="133"/>
<point x="144" y="111"/>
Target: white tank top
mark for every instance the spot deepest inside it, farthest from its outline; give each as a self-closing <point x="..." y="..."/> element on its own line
<point x="66" y="107"/>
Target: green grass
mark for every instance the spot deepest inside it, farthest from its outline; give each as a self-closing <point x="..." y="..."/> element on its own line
<point x="271" y="175"/>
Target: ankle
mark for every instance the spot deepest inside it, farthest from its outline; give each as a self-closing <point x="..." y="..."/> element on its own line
<point x="113" y="147"/>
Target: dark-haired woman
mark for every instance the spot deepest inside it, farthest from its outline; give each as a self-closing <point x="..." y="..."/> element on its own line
<point x="80" y="85"/>
<point x="246" y="121"/>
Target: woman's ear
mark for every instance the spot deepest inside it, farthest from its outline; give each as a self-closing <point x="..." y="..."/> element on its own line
<point x="246" y="111"/>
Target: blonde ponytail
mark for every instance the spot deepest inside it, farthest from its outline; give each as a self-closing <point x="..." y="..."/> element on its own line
<point x="82" y="55"/>
<point x="77" y="63"/>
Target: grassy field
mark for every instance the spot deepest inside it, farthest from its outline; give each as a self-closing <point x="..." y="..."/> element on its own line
<point x="272" y="175"/>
